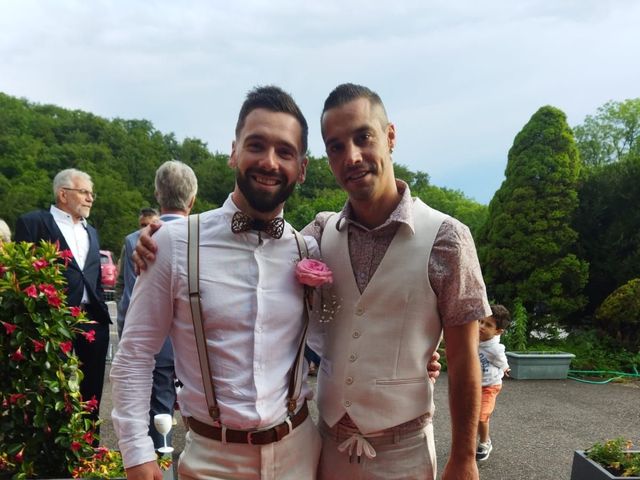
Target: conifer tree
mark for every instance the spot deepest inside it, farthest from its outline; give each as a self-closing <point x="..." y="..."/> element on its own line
<point x="527" y="245"/>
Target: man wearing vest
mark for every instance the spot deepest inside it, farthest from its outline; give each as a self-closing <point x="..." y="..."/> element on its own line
<point x="252" y="316"/>
<point x="404" y="274"/>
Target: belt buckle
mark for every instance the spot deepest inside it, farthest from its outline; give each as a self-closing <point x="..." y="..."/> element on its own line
<point x="250" y="435"/>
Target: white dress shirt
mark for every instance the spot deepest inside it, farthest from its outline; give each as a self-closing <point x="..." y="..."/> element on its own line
<point x="75" y="233"/>
<point x="253" y="316"/>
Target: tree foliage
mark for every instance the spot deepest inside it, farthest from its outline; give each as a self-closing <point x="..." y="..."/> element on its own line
<point x="610" y="135"/>
<point x="527" y="246"/>
<point x="607" y="221"/>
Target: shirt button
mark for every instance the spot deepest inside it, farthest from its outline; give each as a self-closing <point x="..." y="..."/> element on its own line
<point x="356" y="334"/>
<point x="353" y="357"/>
<point x="359" y="311"/>
<point x="347" y="403"/>
<point x="349" y="380"/>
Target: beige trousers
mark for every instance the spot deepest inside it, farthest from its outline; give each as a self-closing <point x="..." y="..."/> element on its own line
<point x="295" y="457"/>
<point x="400" y="454"/>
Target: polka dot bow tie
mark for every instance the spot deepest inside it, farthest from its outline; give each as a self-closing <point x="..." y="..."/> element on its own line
<point x="242" y="223"/>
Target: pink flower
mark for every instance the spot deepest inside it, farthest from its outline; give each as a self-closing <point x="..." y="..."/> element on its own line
<point x="88" y="437"/>
<point x="19" y="456"/>
<point x="75" y="311"/>
<point x="3" y="269"/>
<point x="48" y="289"/>
<point x="38" y="345"/>
<point x="75" y="446"/>
<point x="101" y="452"/>
<point x="40" y="264"/>
<point x="31" y="291"/>
<point x="14" y="397"/>
<point x="54" y="301"/>
<point x="9" y="327"/>
<point x="313" y="273"/>
<point x="17" y="356"/>
<point x="66" y="255"/>
<point x="90" y="336"/>
<point x="66" y="346"/>
<point x="91" y="405"/>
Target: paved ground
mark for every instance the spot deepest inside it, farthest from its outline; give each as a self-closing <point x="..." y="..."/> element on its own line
<point x="535" y="429"/>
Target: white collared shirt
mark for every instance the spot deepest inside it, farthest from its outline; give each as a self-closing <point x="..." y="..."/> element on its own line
<point x="253" y="316"/>
<point x="77" y="237"/>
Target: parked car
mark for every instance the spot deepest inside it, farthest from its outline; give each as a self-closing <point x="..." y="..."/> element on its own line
<point x="108" y="270"/>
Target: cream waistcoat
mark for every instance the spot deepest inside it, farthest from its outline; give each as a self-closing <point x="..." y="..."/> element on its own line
<point x="379" y="342"/>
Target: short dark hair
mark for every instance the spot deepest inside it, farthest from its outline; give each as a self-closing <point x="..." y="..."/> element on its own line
<point x="501" y="316"/>
<point x="274" y="99"/>
<point x="148" y="212"/>
<point x="347" y="92"/>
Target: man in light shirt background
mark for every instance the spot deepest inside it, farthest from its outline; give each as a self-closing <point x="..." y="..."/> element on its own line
<point x="175" y="190"/>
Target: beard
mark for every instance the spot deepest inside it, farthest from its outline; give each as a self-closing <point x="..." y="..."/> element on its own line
<point x="262" y="201"/>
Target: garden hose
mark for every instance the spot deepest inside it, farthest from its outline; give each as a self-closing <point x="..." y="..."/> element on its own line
<point x="601" y="373"/>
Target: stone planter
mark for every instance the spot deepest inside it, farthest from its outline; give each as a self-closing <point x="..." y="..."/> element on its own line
<point x="539" y="365"/>
<point x="585" y="469"/>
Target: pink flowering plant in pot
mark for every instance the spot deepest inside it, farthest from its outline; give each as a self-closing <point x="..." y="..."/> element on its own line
<point x="44" y="426"/>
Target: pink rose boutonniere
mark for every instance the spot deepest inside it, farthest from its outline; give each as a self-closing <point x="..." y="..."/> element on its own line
<point x="313" y="273"/>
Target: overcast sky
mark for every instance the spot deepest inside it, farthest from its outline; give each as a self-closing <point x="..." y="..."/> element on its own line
<point x="459" y="78"/>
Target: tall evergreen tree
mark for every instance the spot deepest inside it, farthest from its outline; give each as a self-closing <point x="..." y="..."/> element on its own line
<point x="527" y="245"/>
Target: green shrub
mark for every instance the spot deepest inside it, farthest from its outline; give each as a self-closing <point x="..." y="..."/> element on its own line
<point x="619" y="314"/>
<point x="515" y="337"/>
<point x="45" y="428"/>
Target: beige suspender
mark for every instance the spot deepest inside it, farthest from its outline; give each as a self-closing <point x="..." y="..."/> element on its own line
<point x="196" y="314"/>
<point x="295" y="379"/>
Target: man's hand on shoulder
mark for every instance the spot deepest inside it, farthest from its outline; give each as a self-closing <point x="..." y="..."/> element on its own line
<point x="145" y="471"/>
<point x="146" y="247"/>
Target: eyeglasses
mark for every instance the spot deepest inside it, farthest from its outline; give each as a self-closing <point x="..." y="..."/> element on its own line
<point x="82" y="191"/>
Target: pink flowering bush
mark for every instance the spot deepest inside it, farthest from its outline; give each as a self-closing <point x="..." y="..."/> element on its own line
<point x="44" y="427"/>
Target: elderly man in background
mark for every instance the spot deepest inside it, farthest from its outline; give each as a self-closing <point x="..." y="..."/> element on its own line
<point x="66" y="223"/>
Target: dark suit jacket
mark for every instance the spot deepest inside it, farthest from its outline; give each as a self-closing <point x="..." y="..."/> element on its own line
<point x="40" y="225"/>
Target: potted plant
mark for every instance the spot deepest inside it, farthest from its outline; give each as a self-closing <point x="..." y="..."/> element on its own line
<point x="530" y="364"/>
<point x="613" y="459"/>
<point x="44" y="427"/>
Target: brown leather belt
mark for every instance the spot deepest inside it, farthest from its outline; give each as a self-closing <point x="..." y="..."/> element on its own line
<point x="259" y="437"/>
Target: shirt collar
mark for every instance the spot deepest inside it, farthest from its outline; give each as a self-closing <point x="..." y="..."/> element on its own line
<point x="170" y="216"/>
<point x="62" y="216"/>
<point x="403" y="212"/>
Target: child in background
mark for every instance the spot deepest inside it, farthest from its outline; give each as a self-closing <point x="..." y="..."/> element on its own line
<point x="494" y="366"/>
